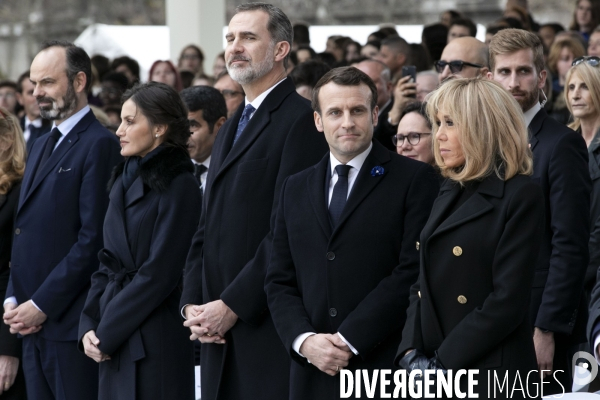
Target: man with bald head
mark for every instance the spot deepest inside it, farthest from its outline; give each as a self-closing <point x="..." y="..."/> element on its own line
<point x="381" y="75"/>
<point x="464" y="57"/>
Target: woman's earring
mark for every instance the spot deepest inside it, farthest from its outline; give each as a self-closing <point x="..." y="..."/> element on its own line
<point x="156" y="135"/>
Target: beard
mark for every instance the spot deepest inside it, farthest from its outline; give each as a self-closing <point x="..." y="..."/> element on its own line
<point x="529" y="99"/>
<point x="252" y="71"/>
<point x="59" y="109"/>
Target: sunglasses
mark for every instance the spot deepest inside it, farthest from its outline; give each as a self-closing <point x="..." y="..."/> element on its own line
<point x="455" y="66"/>
<point x="591" y="60"/>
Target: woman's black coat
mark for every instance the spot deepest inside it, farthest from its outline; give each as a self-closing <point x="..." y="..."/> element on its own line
<point x="471" y="302"/>
<point x="133" y="302"/>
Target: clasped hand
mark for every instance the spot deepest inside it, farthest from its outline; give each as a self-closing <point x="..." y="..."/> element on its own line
<point x="24" y="319"/>
<point x="209" y="322"/>
<point x="417" y="361"/>
<point x="327" y="352"/>
<point x="90" y="346"/>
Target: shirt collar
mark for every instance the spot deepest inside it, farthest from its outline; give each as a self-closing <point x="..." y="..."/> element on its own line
<point x="356" y="163"/>
<point x="68" y="124"/>
<point x="529" y="114"/>
<point x="206" y="162"/>
<point x="261" y="97"/>
<point x="36" y="122"/>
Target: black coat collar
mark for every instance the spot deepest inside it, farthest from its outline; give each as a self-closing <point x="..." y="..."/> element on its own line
<point x="158" y="172"/>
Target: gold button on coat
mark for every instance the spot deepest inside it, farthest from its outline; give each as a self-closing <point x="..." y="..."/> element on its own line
<point x="418" y="245"/>
<point x="457" y="251"/>
<point x="419" y="293"/>
<point x="462" y="299"/>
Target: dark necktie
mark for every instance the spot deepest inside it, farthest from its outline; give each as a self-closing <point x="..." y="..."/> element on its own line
<point x="340" y="193"/>
<point x="199" y="170"/>
<point x="248" y="110"/>
<point x="50" y="144"/>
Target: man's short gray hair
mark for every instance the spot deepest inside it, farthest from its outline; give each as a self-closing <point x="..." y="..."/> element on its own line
<point x="279" y="25"/>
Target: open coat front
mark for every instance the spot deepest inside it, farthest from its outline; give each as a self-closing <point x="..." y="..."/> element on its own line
<point x="470" y="304"/>
<point x="133" y="302"/>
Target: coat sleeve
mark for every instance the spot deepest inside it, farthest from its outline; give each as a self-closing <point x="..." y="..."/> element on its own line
<point x="160" y="274"/>
<point x="570" y="214"/>
<point x="192" y="280"/>
<point x="281" y="285"/>
<point x="245" y="295"/>
<point x="411" y="333"/>
<point x="72" y="274"/>
<point x="391" y="296"/>
<point x="90" y="315"/>
<point x="512" y="276"/>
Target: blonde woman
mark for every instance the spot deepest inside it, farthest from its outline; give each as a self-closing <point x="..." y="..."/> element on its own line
<point x="469" y="308"/>
<point x="582" y="95"/>
<point x="12" y="166"/>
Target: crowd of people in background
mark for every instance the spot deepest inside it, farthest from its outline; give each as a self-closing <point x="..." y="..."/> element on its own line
<point x="478" y="116"/>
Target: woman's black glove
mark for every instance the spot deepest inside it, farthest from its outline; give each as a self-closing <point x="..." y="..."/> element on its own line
<point x="417" y="361"/>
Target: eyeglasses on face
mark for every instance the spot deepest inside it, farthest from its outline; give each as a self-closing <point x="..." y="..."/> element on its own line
<point x="455" y="66"/>
<point x="590" y="60"/>
<point x="230" y="93"/>
<point x="413" y="138"/>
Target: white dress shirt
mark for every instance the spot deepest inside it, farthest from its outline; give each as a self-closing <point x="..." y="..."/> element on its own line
<point x="260" y="98"/>
<point x="206" y="163"/>
<point x="356" y="163"/>
<point x="65" y="127"/>
<point x="530" y="114"/>
<point x="37" y="123"/>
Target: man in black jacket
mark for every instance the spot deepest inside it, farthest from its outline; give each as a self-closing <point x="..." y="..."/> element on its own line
<point x="560" y="167"/>
<point x="271" y="136"/>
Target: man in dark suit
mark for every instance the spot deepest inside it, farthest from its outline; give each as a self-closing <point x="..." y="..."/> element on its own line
<point x="271" y="136"/>
<point x="32" y="124"/>
<point x="380" y="74"/>
<point x="335" y="289"/>
<point x="560" y="167"/>
<point x="61" y="211"/>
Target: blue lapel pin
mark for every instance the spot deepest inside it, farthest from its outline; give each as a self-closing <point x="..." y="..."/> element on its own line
<point x="377" y="171"/>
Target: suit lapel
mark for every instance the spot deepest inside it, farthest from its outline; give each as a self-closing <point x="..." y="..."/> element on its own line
<point x="365" y="182"/>
<point x="316" y="183"/>
<point x="535" y="127"/>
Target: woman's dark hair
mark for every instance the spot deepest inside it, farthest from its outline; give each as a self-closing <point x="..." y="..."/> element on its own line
<point x="162" y="105"/>
<point x="309" y="72"/>
<point x="418" y="107"/>
<point x="420" y="57"/>
<point x="131" y="64"/>
<point x="434" y="38"/>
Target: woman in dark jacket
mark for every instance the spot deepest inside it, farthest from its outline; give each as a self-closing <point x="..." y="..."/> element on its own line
<point x="12" y="167"/>
<point x="469" y="308"/>
<point x="131" y="323"/>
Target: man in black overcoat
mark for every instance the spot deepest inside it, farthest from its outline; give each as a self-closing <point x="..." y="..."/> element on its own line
<point x="271" y="136"/>
<point x="338" y="293"/>
<point x="560" y="167"/>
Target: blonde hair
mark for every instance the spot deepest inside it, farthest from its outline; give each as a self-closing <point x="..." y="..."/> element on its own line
<point x="491" y="127"/>
<point x="591" y="77"/>
<point x="12" y="151"/>
<point x="554" y="55"/>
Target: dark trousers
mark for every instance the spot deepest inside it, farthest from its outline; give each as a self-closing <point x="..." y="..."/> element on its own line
<point x="58" y="370"/>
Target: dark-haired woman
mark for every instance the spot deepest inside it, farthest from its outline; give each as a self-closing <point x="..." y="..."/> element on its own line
<point x="131" y="323"/>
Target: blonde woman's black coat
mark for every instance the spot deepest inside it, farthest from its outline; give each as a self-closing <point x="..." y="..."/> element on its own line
<point x="133" y="302"/>
<point x="470" y="304"/>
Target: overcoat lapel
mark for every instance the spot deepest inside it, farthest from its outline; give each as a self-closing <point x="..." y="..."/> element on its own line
<point x="118" y="233"/>
<point x="365" y="181"/>
<point x="256" y="125"/>
<point x="316" y="185"/>
<point x="135" y="192"/>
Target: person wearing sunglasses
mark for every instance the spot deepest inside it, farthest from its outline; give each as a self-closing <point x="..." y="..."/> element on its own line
<point x="413" y="139"/>
<point x="464" y="57"/>
<point x="560" y="167"/>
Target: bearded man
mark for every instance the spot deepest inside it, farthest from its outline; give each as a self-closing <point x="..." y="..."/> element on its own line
<point x="58" y="227"/>
<point x="271" y="136"/>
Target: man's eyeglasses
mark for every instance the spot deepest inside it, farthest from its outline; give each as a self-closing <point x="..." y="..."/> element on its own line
<point x="413" y="138"/>
<point x="591" y="60"/>
<point x="455" y="66"/>
<point x="230" y="93"/>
